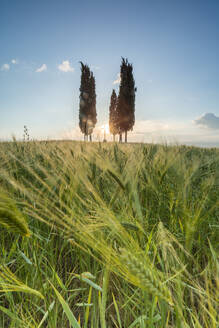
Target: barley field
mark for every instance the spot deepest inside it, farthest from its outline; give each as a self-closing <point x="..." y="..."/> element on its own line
<point x="108" y="235"/>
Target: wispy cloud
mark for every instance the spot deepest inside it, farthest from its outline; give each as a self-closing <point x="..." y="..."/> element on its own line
<point x="187" y="132"/>
<point x="192" y="98"/>
<point x="14" y="61"/>
<point x="71" y="133"/>
<point x="95" y="68"/>
<point x="5" y="67"/>
<point x="208" y="120"/>
<point x="117" y="81"/>
<point x="65" y="67"/>
<point x="157" y="131"/>
<point x="41" y="68"/>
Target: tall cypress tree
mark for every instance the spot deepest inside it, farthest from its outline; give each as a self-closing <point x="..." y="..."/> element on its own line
<point x="113" y="115"/>
<point x="87" y="106"/>
<point x="126" y="99"/>
<point x="93" y="113"/>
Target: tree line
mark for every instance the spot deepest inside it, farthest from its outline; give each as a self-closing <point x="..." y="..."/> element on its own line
<point x="121" y="109"/>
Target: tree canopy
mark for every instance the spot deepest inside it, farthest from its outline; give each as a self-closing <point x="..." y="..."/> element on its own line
<point x="113" y="114"/>
<point x="126" y="99"/>
<point x="87" y="106"/>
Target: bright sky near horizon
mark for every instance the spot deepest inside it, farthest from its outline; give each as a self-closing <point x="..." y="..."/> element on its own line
<point x="172" y="44"/>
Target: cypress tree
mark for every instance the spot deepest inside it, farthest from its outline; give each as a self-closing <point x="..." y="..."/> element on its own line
<point x="113" y="115"/>
<point x="87" y="106"/>
<point x="126" y="99"/>
<point x="93" y="113"/>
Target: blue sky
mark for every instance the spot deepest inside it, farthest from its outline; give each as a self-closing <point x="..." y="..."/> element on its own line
<point x="172" y="44"/>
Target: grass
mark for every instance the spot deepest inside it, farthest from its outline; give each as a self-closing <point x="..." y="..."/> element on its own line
<point x="107" y="235"/>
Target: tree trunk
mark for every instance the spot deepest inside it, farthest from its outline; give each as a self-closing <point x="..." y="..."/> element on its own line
<point x="90" y="137"/>
<point x="120" y="137"/>
<point x="86" y="136"/>
<point x="104" y="136"/>
<point x="114" y="138"/>
<point x="126" y="136"/>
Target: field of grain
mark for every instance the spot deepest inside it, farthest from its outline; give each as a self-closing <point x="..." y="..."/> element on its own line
<point x="108" y="235"/>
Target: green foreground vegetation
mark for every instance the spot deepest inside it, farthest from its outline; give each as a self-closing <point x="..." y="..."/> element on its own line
<point x="107" y="235"/>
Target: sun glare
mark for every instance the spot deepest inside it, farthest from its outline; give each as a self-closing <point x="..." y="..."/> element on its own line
<point x="105" y="128"/>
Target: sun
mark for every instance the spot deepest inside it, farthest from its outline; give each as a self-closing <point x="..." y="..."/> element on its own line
<point x="105" y="128"/>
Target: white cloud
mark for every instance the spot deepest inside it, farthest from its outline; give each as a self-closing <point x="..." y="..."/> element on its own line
<point x="156" y="131"/>
<point x="96" y="68"/>
<point x="14" y="61"/>
<point x="5" y="67"/>
<point x="173" y="132"/>
<point x="192" y="98"/>
<point x="41" y="68"/>
<point x="118" y="80"/>
<point x="65" y="67"/>
<point x="208" y="120"/>
<point x="71" y="133"/>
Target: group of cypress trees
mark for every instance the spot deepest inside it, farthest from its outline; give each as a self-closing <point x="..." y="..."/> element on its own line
<point x="121" y="110"/>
